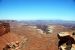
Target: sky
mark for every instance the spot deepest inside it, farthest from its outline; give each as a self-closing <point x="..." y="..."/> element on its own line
<point x="37" y="10"/>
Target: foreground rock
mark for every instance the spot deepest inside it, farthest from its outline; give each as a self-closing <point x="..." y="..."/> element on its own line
<point x="66" y="41"/>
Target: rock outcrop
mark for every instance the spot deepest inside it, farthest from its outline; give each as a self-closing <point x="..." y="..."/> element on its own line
<point x="66" y="41"/>
<point x="4" y="28"/>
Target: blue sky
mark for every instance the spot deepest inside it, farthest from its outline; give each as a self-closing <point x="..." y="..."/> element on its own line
<point x="37" y="9"/>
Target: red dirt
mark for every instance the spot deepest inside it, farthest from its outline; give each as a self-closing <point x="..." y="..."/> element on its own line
<point x="7" y="38"/>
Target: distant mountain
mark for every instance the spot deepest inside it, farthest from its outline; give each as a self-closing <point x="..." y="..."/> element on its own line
<point x="33" y="22"/>
<point x="43" y="22"/>
<point x="69" y="24"/>
<point x="40" y="21"/>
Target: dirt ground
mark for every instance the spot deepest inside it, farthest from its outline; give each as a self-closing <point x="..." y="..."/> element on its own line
<point x="35" y="40"/>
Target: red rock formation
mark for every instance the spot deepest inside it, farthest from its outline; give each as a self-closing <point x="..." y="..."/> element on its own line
<point x="4" y="28"/>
